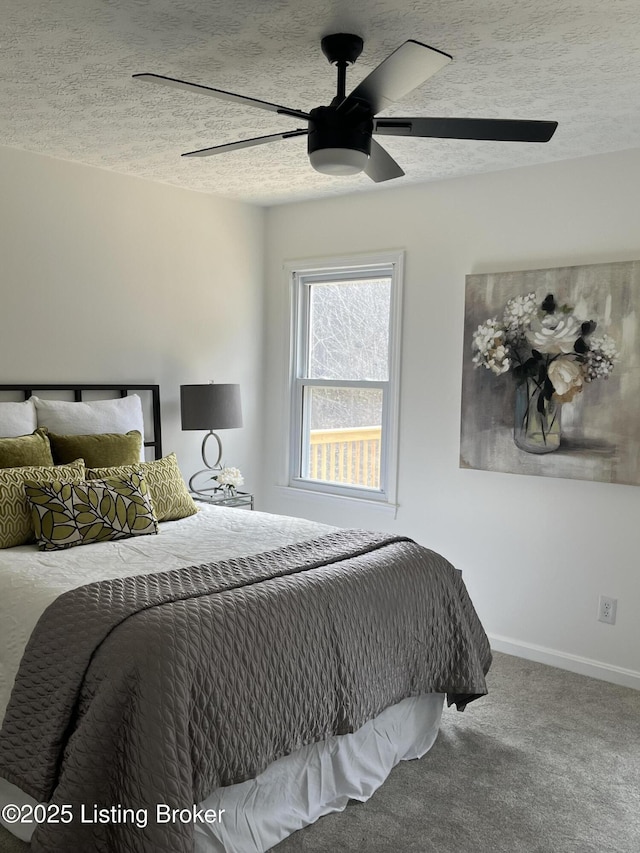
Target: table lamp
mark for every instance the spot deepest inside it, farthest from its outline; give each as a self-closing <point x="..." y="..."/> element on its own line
<point x="210" y="407"/>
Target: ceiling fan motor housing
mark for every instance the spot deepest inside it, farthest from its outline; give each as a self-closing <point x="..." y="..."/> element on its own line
<point x="342" y="47"/>
<point x="329" y="128"/>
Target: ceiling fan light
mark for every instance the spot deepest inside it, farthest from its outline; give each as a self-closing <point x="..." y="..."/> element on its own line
<point x="338" y="161"/>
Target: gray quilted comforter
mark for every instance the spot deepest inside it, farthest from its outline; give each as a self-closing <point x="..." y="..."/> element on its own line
<point x="160" y="688"/>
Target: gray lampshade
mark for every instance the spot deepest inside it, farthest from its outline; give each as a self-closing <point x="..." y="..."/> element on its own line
<point x="210" y="406"/>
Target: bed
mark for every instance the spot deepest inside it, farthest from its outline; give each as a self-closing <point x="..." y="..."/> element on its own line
<point x="221" y="683"/>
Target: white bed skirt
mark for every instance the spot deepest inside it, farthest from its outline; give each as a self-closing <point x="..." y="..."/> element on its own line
<point x="295" y="791"/>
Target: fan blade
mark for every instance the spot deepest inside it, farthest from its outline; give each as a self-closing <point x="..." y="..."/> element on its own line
<point x="219" y="93"/>
<point x="407" y="67"/>
<point x="497" y="130"/>
<point x="381" y="166"/>
<point x="243" y="143"/>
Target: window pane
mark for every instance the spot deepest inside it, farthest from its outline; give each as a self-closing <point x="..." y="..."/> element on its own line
<point x="349" y="329"/>
<point x="343" y="435"/>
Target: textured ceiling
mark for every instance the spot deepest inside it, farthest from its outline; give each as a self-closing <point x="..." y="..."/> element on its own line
<point x="66" y="87"/>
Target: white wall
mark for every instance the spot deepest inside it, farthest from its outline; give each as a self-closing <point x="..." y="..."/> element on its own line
<point x="108" y="278"/>
<point x="536" y="552"/>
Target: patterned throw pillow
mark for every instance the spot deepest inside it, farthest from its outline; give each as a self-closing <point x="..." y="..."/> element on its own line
<point x="68" y="514"/>
<point x="31" y="449"/>
<point x="169" y="494"/>
<point x="15" y="515"/>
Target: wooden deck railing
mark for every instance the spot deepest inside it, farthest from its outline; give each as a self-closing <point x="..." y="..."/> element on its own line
<point x="350" y="455"/>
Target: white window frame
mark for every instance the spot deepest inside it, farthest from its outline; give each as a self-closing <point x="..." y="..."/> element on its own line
<point x="300" y="274"/>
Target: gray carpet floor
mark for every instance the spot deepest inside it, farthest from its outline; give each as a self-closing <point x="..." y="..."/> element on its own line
<point x="549" y="762"/>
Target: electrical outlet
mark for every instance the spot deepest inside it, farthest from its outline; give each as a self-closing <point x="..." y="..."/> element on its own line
<point x="607" y="610"/>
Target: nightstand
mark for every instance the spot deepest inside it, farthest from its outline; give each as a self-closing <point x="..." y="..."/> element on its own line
<point x="220" y="499"/>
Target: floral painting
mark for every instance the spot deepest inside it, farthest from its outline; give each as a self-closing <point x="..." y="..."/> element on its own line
<point x="551" y="372"/>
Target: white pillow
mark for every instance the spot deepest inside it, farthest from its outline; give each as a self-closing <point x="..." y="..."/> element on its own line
<point x="96" y="416"/>
<point x="17" y="419"/>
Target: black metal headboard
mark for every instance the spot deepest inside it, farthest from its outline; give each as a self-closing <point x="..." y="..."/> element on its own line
<point x="78" y="391"/>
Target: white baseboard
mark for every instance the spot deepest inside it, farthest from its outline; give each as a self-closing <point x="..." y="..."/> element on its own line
<point x="563" y="660"/>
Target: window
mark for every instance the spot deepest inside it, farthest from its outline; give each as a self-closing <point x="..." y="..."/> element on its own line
<point x="344" y="376"/>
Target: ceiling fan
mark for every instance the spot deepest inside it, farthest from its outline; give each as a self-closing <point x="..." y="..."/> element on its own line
<point x="340" y="136"/>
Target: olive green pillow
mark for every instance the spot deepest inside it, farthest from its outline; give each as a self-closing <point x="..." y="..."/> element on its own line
<point x="15" y="515"/>
<point x="99" y="450"/>
<point x="69" y="514"/>
<point x="23" y="450"/>
<point x="169" y="494"/>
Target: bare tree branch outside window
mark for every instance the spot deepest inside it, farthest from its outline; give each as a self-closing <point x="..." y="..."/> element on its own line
<point x="349" y="339"/>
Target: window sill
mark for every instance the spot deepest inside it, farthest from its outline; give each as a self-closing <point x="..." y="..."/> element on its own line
<point x="327" y="499"/>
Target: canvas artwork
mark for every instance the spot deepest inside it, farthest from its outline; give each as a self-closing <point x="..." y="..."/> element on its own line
<point x="551" y="372"/>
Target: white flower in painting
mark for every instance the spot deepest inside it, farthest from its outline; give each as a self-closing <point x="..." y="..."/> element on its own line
<point x="601" y="358"/>
<point x="491" y="349"/>
<point x="498" y="361"/>
<point x="556" y="333"/>
<point x="485" y="333"/>
<point x="518" y="314"/>
<point x="230" y="477"/>
<point x="567" y="377"/>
